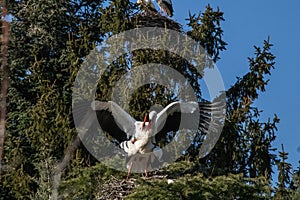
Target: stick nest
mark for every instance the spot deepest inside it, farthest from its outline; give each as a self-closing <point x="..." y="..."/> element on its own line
<point x="154" y="19"/>
<point x="117" y="189"/>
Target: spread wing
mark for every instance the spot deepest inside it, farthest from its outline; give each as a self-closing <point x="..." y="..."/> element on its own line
<point x="177" y="115"/>
<point x="189" y="115"/>
<point x="114" y="120"/>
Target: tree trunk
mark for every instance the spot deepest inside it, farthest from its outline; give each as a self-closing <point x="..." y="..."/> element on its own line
<point x="4" y="84"/>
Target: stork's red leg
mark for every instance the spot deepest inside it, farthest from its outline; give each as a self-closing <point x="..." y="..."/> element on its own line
<point x="129" y="169"/>
<point x="145" y="168"/>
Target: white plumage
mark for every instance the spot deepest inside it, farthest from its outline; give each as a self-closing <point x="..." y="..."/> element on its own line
<point x="145" y="155"/>
<point x="142" y="145"/>
<point x="140" y="140"/>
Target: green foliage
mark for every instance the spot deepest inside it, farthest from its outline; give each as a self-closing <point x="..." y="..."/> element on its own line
<point x="49" y="41"/>
<point x="295" y="183"/>
<point x="245" y="145"/>
<point x="84" y="183"/>
<point x="116" y="17"/>
<point x="177" y="169"/>
<point x="206" y="28"/>
<point x="45" y="179"/>
<point x="283" y="192"/>
<point x="296" y="195"/>
<point x="198" y="187"/>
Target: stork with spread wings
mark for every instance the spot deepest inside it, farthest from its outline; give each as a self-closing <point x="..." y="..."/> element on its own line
<point x="139" y="137"/>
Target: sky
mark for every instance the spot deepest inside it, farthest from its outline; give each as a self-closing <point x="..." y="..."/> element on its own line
<point x="249" y="23"/>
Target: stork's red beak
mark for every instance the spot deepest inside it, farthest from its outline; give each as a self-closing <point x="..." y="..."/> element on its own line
<point x="145" y="119"/>
<point x="149" y="125"/>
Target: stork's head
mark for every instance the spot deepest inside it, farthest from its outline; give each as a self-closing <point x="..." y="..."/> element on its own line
<point x="152" y="119"/>
<point x="152" y="116"/>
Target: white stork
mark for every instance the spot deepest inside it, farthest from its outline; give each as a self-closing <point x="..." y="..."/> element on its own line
<point x="137" y="137"/>
<point x="147" y="4"/>
<point x="166" y="6"/>
<point x="147" y="152"/>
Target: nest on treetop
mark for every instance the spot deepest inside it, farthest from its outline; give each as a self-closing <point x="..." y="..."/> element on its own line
<point x="154" y="19"/>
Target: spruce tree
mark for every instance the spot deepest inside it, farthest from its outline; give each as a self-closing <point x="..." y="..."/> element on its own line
<point x="45" y="38"/>
<point x="50" y="41"/>
<point x="295" y="183"/>
<point x="284" y="176"/>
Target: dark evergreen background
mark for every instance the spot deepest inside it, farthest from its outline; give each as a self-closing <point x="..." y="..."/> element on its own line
<point x="48" y="43"/>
